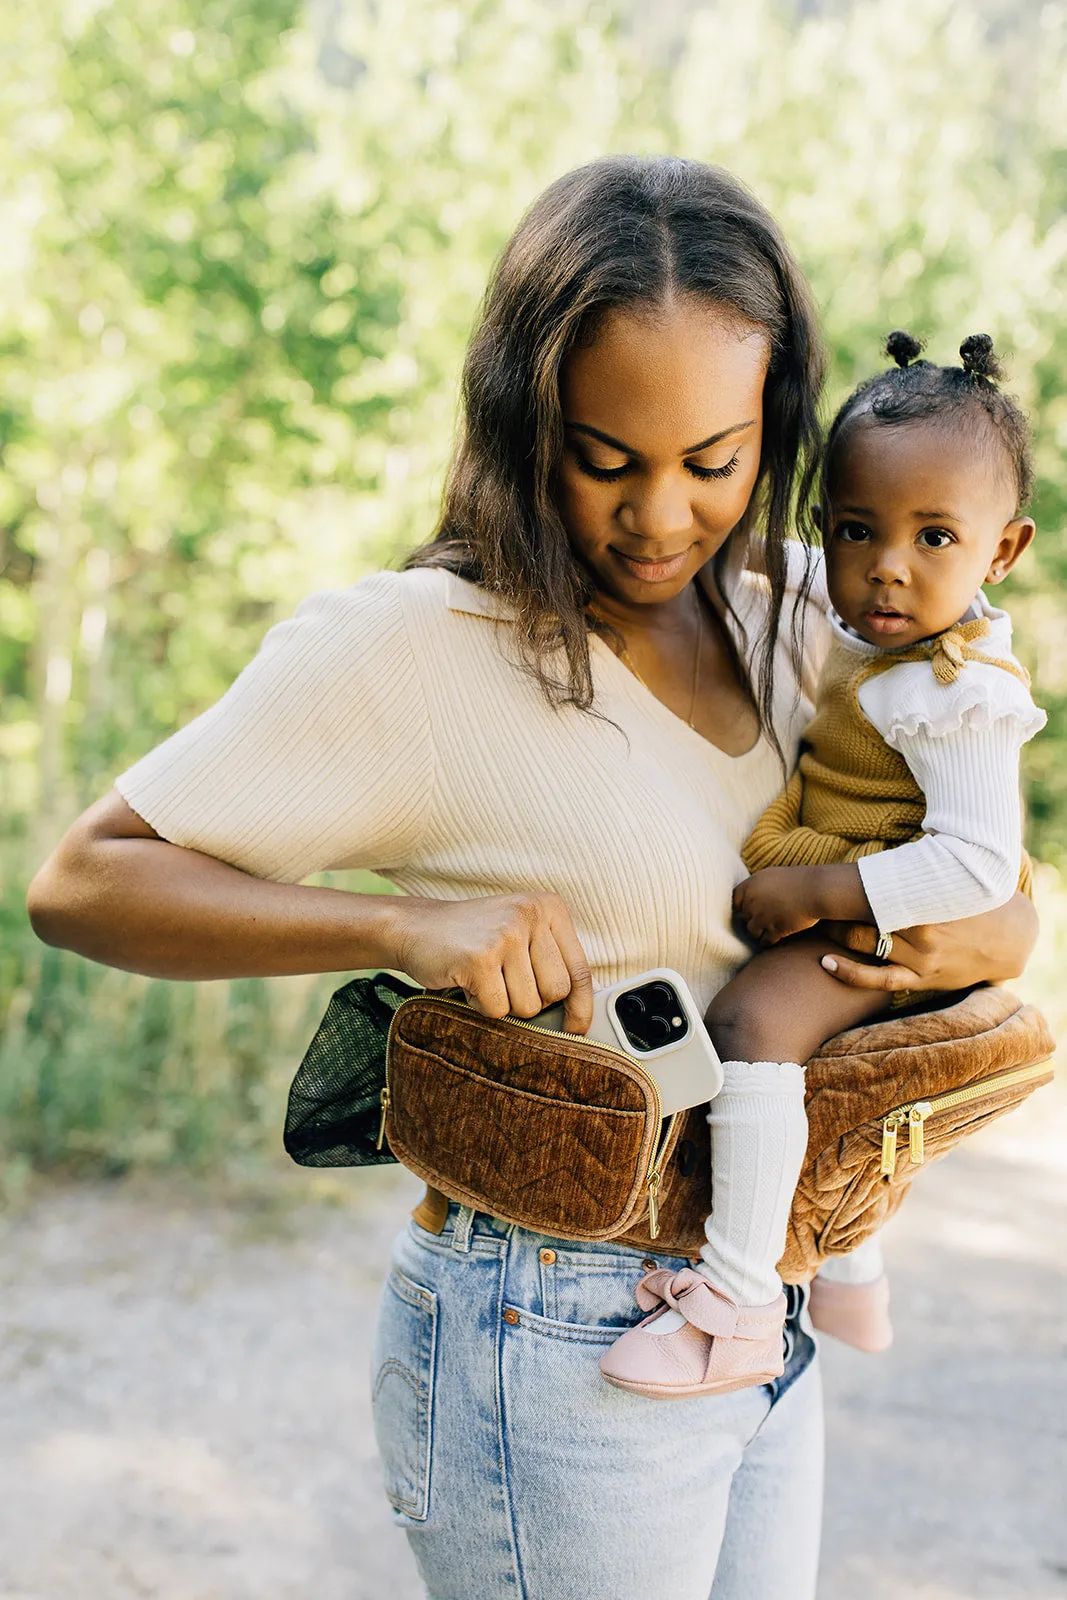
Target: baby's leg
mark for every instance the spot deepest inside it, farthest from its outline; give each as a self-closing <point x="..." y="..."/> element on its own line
<point x="784" y="1004"/>
<point x="765" y="1025"/>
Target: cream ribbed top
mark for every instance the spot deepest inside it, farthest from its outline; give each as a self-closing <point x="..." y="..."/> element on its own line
<point x="388" y="726"/>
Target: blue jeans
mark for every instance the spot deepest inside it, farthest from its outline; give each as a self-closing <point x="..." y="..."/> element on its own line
<point x="516" y="1470"/>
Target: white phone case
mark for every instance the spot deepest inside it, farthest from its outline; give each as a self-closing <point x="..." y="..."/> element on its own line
<point x="687" y="1072"/>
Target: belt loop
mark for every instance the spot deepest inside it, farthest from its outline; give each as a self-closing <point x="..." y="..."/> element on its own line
<point x="461" y="1235"/>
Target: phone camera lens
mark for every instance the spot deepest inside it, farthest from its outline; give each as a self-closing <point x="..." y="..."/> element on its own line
<point x="651" y="1016"/>
<point x="657" y="1030"/>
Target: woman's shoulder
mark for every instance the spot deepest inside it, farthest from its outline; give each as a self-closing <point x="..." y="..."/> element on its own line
<point x="748" y="586"/>
<point x="413" y="593"/>
<point x="413" y="603"/>
<point x="385" y="591"/>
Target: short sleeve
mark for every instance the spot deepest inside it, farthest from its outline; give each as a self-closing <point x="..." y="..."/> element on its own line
<point x="320" y="755"/>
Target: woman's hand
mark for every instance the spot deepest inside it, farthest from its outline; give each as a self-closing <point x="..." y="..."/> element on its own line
<point x="512" y="954"/>
<point x="945" y="955"/>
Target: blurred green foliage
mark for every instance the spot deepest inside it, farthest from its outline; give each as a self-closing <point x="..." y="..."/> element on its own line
<point x="244" y="244"/>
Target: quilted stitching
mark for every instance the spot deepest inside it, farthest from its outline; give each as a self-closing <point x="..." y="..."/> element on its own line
<point x="857" y="1077"/>
<point x="561" y="1167"/>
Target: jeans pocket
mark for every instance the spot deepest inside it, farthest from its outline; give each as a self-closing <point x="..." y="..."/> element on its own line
<point x="591" y="1289"/>
<point x="405" y="1352"/>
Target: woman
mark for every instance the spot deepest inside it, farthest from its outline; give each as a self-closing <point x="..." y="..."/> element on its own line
<point x="554" y="730"/>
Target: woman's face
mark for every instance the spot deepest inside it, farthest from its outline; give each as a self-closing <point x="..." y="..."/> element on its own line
<point x="663" y="417"/>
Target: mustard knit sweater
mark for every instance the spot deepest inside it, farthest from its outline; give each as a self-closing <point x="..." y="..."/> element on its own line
<point x="852" y="795"/>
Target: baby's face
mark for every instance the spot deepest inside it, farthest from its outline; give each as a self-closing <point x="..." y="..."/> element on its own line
<point x="920" y="516"/>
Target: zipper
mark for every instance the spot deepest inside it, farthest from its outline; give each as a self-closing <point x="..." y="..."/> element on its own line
<point x="915" y="1114"/>
<point x="653" y="1177"/>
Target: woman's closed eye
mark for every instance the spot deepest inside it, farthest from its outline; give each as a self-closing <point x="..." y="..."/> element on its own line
<point x="702" y="472"/>
<point x="601" y="474"/>
<point x="611" y="474"/>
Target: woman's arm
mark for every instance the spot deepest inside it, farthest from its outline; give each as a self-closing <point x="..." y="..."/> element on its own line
<point x="992" y="948"/>
<point x="116" y="892"/>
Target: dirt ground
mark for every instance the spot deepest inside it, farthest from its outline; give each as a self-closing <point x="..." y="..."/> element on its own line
<point x="184" y="1410"/>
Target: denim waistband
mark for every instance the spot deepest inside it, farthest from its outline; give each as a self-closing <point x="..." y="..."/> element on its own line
<point x="475" y="1231"/>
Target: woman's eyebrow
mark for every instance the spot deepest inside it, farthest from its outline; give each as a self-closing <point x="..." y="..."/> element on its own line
<point x="628" y="450"/>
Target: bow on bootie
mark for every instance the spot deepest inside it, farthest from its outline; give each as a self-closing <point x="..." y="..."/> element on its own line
<point x="687" y="1292"/>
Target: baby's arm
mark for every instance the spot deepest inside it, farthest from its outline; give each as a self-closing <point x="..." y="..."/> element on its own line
<point x="780" y="901"/>
<point x="968" y="860"/>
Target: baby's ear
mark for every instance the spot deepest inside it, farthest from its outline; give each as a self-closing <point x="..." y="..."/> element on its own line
<point x="1013" y="541"/>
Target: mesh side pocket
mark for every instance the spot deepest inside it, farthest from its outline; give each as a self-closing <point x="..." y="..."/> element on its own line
<point x="334" y="1108"/>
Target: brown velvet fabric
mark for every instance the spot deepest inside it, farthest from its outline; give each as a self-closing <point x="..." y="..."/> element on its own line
<point x="558" y="1135"/>
<point x="854" y="1081"/>
<point x="555" y="1135"/>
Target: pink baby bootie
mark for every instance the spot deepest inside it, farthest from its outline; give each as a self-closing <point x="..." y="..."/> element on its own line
<point x="855" y="1313"/>
<point x="721" y="1346"/>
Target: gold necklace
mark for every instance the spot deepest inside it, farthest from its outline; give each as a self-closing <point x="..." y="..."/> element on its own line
<point x="629" y="662"/>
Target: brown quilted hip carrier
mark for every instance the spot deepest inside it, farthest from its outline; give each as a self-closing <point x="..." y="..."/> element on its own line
<point x="564" y="1136"/>
<point x="549" y="1130"/>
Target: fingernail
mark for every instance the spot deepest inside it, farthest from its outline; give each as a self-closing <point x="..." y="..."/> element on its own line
<point x="829" y="963"/>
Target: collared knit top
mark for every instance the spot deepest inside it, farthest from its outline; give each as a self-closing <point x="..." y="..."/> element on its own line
<point x="390" y="726"/>
<point x="919" y="744"/>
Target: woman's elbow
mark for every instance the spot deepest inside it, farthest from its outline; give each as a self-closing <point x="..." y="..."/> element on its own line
<point x="76" y="896"/>
<point x="52" y="898"/>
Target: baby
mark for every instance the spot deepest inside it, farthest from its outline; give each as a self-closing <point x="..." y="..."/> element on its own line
<point x="904" y="810"/>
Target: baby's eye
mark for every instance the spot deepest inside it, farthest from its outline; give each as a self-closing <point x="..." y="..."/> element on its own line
<point x="935" y="538"/>
<point x="852" y="532"/>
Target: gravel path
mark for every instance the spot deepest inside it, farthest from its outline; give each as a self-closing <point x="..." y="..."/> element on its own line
<point x="184" y="1416"/>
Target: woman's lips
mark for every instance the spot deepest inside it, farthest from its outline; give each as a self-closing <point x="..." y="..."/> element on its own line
<point x="653" y="571"/>
<point x="886" y="622"/>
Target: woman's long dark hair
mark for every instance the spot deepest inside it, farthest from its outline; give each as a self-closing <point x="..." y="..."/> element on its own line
<point x="623" y="231"/>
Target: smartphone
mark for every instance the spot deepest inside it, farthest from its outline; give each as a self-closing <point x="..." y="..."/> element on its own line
<point x="654" y="1018"/>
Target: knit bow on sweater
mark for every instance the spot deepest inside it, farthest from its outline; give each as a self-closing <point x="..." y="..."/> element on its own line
<point x="952" y="649"/>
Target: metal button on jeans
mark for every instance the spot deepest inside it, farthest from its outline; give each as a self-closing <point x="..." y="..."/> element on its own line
<point x="548" y="1256"/>
<point x="511" y="1316"/>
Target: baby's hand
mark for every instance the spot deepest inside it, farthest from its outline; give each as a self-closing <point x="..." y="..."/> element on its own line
<point x="773" y="903"/>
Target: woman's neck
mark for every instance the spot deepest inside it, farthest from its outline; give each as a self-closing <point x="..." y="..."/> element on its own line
<point x="652" y="622"/>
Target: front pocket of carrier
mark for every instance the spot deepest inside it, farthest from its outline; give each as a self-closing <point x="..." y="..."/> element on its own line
<point x="537" y="1159"/>
<point x="403" y="1392"/>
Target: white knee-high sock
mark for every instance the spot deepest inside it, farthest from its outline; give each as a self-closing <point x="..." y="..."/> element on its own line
<point x="862" y="1265"/>
<point x="759" y="1134"/>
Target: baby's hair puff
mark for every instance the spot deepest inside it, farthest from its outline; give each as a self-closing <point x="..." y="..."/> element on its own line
<point x="914" y="389"/>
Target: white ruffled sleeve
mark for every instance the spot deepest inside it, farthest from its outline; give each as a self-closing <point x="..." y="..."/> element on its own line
<point x="906" y="699"/>
<point x="961" y="742"/>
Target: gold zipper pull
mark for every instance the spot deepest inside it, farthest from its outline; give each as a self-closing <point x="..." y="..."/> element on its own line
<point x="916" y="1117"/>
<point x="890" y="1125"/>
<point x="381" y="1122"/>
<point x="653" y="1205"/>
